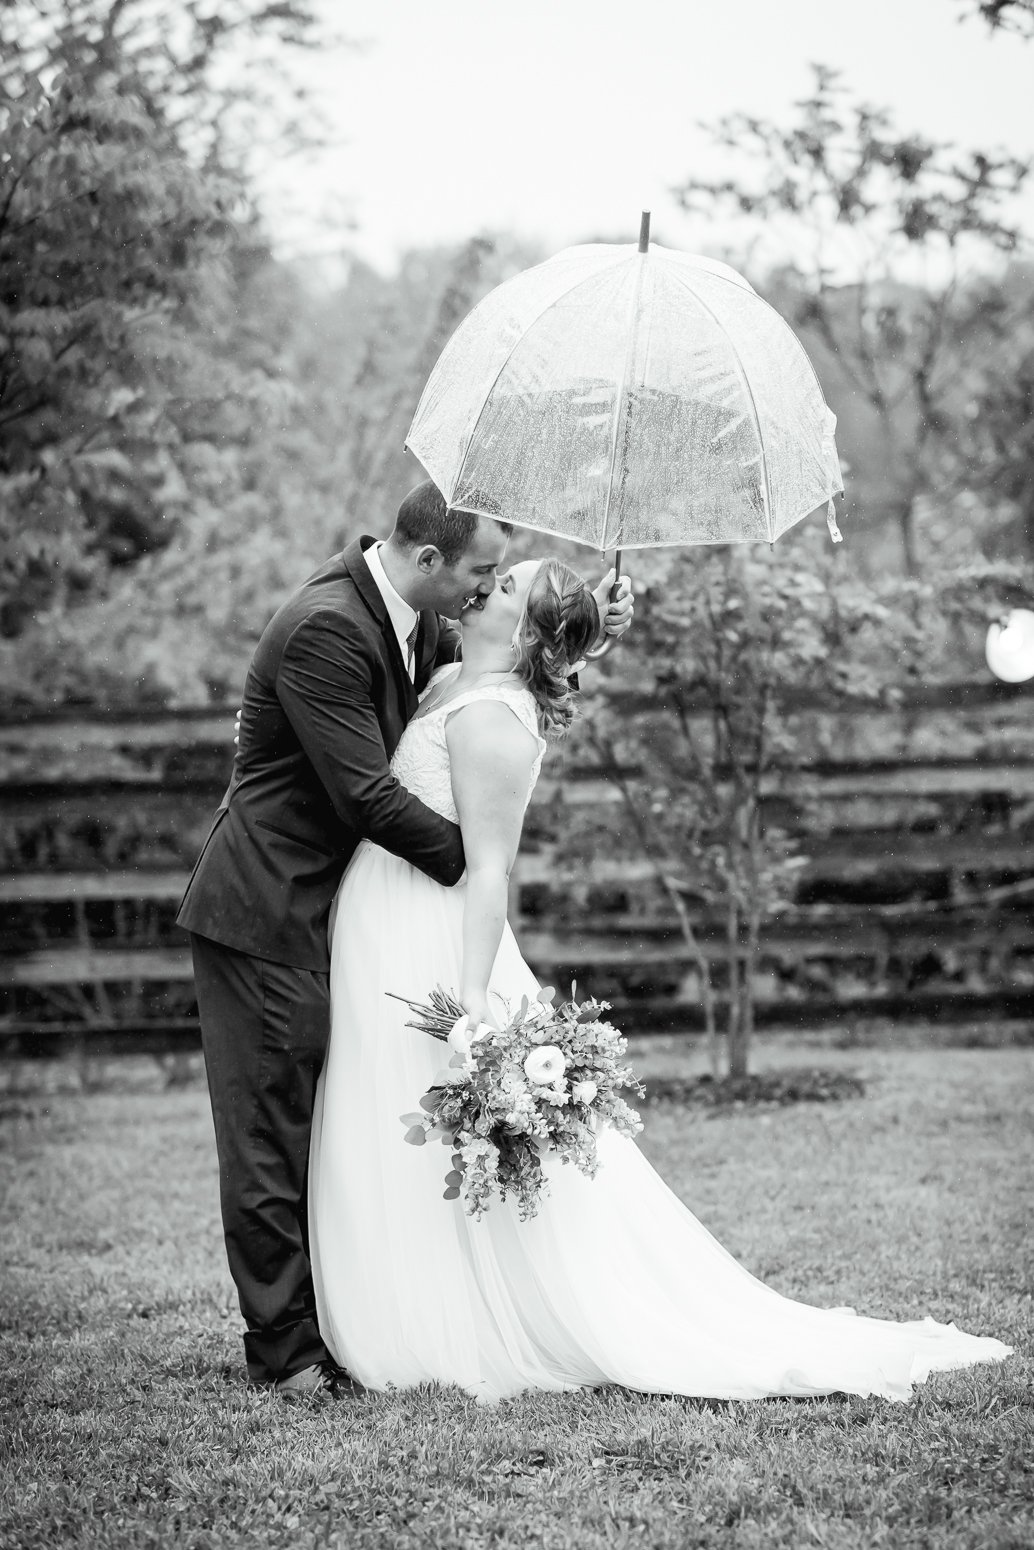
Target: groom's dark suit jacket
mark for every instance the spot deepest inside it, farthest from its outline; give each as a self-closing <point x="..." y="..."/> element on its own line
<point x="325" y="702"/>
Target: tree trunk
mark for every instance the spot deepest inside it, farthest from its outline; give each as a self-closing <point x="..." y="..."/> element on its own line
<point x="740" y="1058"/>
<point x="741" y="883"/>
<point x="732" y="948"/>
<point x="906" y="515"/>
<point x="714" y="1042"/>
<point x="740" y="1025"/>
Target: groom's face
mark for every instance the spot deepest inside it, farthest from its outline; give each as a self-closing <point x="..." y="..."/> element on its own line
<point x="474" y="571"/>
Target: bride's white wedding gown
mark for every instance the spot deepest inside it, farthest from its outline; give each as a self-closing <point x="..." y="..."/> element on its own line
<point x="615" y="1281"/>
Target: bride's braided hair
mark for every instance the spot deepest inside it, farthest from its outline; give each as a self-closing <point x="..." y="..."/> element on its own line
<point x="559" y="624"/>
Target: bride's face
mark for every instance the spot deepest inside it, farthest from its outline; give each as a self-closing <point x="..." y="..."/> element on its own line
<point x="499" y="614"/>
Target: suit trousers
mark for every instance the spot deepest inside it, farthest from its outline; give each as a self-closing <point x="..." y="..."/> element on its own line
<point x="265" y="1028"/>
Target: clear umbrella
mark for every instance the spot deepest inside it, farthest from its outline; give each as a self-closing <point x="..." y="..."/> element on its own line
<point x="629" y="397"/>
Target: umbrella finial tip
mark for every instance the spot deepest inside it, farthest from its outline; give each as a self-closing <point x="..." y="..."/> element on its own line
<point x="644" y="231"/>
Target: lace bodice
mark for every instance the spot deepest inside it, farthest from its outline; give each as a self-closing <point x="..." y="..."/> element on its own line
<point x="421" y="760"/>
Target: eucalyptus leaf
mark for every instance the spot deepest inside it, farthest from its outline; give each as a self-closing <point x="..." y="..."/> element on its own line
<point x="454" y="1179"/>
<point x="413" y="1119"/>
<point x="415" y="1135"/>
<point x="547" y="995"/>
<point x="451" y="1193"/>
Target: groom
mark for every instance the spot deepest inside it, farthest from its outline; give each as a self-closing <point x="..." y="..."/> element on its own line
<point x="334" y="679"/>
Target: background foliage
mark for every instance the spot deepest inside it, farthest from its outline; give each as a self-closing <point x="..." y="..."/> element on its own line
<point x="189" y="424"/>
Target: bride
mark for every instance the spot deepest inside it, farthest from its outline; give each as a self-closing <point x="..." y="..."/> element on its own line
<point x="614" y="1281"/>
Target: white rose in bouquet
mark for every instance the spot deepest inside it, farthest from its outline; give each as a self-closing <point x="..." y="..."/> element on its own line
<point x="545" y="1066"/>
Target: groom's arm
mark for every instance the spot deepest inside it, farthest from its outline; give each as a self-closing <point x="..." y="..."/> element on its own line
<point x="325" y="685"/>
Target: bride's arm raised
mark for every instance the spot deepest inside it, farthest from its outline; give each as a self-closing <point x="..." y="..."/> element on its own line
<point x="491" y="754"/>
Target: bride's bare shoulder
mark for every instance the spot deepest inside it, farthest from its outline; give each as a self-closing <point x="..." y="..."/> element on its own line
<point x="483" y="713"/>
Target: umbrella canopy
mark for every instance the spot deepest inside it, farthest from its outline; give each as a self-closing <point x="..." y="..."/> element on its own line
<point x="629" y="397"/>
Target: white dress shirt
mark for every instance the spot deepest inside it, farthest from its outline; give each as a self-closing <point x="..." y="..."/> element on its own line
<point x="402" y="616"/>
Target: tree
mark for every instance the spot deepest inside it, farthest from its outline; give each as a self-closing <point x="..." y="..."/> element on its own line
<point x="734" y="653"/>
<point x="859" y="206"/>
<point x="103" y="237"/>
<point x="121" y="219"/>
<point x="216" y="73"/>
<point x="993" y="449"/>
<point x="1004" y="15"/>
<point x="313" y="457"/>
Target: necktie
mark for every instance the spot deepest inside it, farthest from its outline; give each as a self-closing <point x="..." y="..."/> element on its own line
<point x="411" y="649"/>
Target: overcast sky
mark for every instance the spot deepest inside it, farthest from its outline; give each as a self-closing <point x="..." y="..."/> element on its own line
<point x="562" y="119"/>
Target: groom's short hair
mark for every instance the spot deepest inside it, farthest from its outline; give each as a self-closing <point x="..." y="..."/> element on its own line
<point x="424" y="518"/>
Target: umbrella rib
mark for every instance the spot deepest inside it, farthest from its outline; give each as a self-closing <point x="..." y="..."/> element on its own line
<point x="625" y="373"/>
<point x="555" y="301"/>
<point x="766" y="490"/>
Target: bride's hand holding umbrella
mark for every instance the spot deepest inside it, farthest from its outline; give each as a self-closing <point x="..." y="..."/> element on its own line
<point x="616" y="603"/>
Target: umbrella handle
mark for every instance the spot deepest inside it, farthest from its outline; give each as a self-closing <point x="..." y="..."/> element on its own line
<point x="612" y="597"/>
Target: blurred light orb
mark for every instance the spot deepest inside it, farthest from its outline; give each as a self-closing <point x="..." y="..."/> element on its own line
<point x="1010" y="647"/>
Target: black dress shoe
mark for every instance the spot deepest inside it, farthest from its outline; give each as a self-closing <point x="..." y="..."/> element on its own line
<point x="320" y="1381"/>
<point x="341" y="1382"/>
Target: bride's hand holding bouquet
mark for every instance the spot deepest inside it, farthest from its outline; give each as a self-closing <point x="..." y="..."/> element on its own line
<point x="475" y="1004"/>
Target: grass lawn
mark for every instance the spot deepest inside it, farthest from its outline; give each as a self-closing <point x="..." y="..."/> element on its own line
<point x="124" y="1420"/>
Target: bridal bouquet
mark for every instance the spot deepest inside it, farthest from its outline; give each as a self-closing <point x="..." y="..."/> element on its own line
<point x="545" y="1081"/>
